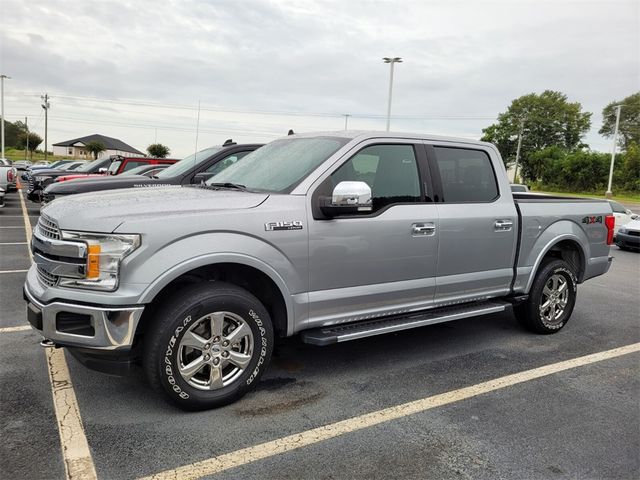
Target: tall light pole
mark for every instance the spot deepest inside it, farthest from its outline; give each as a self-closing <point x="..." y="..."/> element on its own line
<point x="391" y="61"/>
<point x="609" y="193"/>
<point x="346" y="119"/>
<point x="45" y="105"/>
<point x="2" y="77"/>
<point x="515" y="171"/>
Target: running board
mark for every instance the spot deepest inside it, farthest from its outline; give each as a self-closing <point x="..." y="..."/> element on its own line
<point x="367" y="328"/>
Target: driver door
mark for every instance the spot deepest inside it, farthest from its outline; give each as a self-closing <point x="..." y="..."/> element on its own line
<point x="381" y="262"/>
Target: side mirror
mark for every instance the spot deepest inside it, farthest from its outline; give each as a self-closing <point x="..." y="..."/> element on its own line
<point x="635" y="216"/>
<point x="201" y="177"/>
<point x="347" y="198"/>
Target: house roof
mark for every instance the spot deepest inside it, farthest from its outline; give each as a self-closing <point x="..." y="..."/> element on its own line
<point x="109" y="143"/>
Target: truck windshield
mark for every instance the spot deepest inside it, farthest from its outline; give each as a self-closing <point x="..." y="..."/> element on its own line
<point x="89" y="166"/>
<point x="281" y="164"/>
<point x="187" y="163"/>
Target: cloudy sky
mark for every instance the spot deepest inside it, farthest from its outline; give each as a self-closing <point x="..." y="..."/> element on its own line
<point x="136" y="70"/>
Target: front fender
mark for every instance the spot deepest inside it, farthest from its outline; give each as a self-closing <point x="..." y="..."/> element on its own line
<point x="186" y="254"/>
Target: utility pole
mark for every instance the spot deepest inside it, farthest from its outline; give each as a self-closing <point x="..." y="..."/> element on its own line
<point x="346" y="120"/>
<point x="609" y="193"/>
<point x="45" y="105"/>
<point x="26" y="150"/>
<point x="2" y="77"/>
<point x="515" y="172"/>
<point x="391" y="61"/>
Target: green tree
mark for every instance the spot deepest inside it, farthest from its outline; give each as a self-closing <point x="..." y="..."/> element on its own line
<point x="12" y="132"/>
<point x="629" y="129"/>
<point x="34" y="141"/>
<point x="95" y="148"/>
<point x="158" y="150"/>
<point x="545" y="120"/>
<point x="630" y="171"/>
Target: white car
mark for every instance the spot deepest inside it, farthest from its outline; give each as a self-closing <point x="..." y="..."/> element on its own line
<point x="1" y="197"/>
<point x="622" y="214"/>
<point x="628" y="236"/>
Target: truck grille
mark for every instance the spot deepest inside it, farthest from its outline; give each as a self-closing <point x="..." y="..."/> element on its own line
<point x="32" y="183"/>
<point x="46" y="278"/>
<point x="48" y="228"/>
<point x="634" y="233"/>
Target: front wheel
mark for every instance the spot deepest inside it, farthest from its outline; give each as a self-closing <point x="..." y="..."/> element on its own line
<point x="551" y="298"/>
<point x="209" y="345"/>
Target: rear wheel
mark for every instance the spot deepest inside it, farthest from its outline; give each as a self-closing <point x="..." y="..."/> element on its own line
<point x="551" y="298"/>
<point x="209" y="346"/>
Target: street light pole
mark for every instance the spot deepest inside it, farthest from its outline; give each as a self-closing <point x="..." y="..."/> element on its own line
<point x="2" y="77"/>
<point x="391" y="61"/>
<point x="609" y="193"/>
<point x="45" y="105"/>
<point x="515" y="172"/>
<point x="346" y="120"/>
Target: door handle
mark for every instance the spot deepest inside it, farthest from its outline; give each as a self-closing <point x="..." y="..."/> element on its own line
<point x="503" y="225"/>
<point x="423" y="229"/>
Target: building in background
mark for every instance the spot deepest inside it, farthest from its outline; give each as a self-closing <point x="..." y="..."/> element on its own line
<point x="76" y="148"/>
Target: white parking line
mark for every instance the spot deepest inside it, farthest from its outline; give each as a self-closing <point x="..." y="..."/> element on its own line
<point x="78" y="463"/>
<point x="19" y="226"/>
<point x="13" y="271"/>
<point x="310" y="437"/>
<point x="20" y="328"/>
<point x="13" y="243"/>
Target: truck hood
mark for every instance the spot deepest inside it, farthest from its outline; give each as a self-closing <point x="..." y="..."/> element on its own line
<point x="92" y="184"/>
<point x="104" y="211"/>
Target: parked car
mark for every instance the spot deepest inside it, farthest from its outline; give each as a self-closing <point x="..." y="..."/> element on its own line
<point x="71" y="166"/>
<point x="22" y="165"/>
<point x="333" y="236"/>
<point x="622" y="214"/>
<point x="8" y="176"/>
<point x="628" y="235"/>
<point x="40" y="167"/>
<point x="1" y="197"/>
<point x="192" y="169"/>
<point x="98" y="168"/>
<point x="519" y="188"/>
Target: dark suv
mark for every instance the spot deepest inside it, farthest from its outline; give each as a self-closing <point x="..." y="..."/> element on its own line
<point x="193" y="169"/>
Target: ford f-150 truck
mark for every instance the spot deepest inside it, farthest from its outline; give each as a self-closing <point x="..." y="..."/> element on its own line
<point x="333" y="236"/>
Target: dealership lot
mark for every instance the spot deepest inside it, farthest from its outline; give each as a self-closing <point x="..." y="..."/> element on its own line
<point x="581" y="422"/>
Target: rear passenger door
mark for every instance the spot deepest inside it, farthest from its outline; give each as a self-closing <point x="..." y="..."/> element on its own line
<point x="478" y="224"/>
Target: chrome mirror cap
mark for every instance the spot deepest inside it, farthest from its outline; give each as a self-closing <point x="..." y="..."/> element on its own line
<point x="353" y="194"/>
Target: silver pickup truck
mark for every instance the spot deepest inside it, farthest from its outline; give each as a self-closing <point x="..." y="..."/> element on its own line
<point x="332" y="236"/>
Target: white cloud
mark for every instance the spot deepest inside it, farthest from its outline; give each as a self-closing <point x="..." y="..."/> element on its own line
<point x="462" y="58"/>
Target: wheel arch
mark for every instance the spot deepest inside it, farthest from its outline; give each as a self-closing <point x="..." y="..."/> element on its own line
<point x="567" y="247"/>
<point x="244" y="271"/>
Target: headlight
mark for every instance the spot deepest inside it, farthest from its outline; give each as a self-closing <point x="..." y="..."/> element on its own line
<point x="104" y="254"/>
<point x="622" y="230"/>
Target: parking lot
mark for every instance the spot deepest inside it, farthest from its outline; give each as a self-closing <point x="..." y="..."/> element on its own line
<point x="416" y="404"/>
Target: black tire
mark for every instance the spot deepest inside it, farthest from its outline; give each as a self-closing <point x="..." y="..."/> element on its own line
<point x="178" y="315"/>
<point x="529" y="313"/>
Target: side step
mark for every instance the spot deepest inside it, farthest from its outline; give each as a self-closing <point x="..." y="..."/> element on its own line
<point x="367" y="328"/>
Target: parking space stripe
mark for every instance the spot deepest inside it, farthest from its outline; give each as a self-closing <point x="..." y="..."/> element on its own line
<point x="19" y="226"/>
<point x="78" y="462"/>
<point x="20" y="328"/>
<point x="310" y="437"/>
<point x="13" y="271"/>
<point x="13" y="243"/>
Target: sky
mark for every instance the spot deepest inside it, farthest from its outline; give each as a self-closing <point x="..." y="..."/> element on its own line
<point x="137" y="70"/>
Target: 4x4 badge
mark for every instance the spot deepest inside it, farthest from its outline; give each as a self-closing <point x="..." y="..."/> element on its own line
<point x="292" y="225"/>
<point x="590" y="220"/>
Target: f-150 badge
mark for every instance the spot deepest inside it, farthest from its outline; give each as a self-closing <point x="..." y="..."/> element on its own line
<point x="590" y="220"/>
<point x="292" y="225"/>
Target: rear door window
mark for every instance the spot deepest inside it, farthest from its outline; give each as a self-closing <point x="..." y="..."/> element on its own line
<point x="466" y="175"/>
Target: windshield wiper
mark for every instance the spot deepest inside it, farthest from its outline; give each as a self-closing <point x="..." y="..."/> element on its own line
<point x="226" y="186"/>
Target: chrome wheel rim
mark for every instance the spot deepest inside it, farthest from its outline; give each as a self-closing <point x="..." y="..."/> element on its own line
<point x="215" y="350"/>
<point x="555" y="296"/>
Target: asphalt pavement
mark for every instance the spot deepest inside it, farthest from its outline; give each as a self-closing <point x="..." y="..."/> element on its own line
<point x="583" y="422"/>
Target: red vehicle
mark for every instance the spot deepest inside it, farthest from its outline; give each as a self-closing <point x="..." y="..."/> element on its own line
<point x="119" y="164"/>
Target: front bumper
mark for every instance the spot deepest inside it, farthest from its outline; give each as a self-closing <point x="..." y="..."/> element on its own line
<point x="96" y="327"/>
<point x="627" y="241"/>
